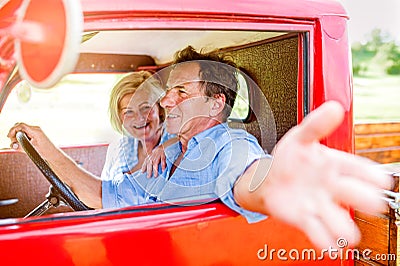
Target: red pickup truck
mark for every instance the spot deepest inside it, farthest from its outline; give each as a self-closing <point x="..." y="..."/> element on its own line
<point x="296" y="51"/>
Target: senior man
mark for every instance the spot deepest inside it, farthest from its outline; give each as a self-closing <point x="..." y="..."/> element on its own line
<point x="303" y="183"/>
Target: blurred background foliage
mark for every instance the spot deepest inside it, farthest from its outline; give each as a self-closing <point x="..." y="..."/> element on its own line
<point x="376" y="78"/>
<point x="379" y="55"/>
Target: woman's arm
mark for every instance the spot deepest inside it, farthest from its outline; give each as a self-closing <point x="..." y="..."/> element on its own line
<point x="157" y="157"/>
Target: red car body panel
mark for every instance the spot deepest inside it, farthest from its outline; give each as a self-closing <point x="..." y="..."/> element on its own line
<point x="308" y="9"/>
<point x="207" y="234"/>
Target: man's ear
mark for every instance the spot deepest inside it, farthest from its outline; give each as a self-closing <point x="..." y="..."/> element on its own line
<point x="218" y="104"/>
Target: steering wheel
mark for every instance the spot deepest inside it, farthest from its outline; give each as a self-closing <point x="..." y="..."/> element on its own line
<point x="59" y="186"/>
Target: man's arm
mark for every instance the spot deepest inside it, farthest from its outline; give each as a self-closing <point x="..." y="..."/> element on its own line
<point x="84" y="184"/>
<point x="311" y="186"/>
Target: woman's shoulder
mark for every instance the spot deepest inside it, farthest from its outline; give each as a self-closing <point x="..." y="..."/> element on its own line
<point x="121" y="144"/>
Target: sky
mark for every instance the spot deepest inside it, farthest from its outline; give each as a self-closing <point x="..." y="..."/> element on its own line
<point x="365" y="15"/>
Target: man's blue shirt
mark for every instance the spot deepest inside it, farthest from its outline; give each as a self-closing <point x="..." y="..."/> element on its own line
<point x="214" y="160"/>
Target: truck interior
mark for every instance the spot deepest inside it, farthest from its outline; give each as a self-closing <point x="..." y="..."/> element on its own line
<point x="274" y="81"/>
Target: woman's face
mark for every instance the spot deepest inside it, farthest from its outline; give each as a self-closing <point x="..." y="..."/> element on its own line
<point x="140" y="115"/>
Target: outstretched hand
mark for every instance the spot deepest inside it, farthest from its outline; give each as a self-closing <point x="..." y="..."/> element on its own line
<point x="311" y="186"/>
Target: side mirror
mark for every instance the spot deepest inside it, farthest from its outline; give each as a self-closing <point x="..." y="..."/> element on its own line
<point x="47" y="35"/>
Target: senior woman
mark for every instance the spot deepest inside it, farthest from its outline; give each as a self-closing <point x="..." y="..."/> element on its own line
<point x="134" y="112"/>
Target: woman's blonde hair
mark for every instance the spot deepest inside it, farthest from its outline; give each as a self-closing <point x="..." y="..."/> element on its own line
<point x="129" y="84"/>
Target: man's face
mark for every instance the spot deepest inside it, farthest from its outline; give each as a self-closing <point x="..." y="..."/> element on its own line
<point x="185" y="103"/>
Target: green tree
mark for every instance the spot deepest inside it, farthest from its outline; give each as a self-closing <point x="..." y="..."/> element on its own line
<point x="393" y="56"/>
<point x="380" y="53"/>
<point x="360" y="55"/>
